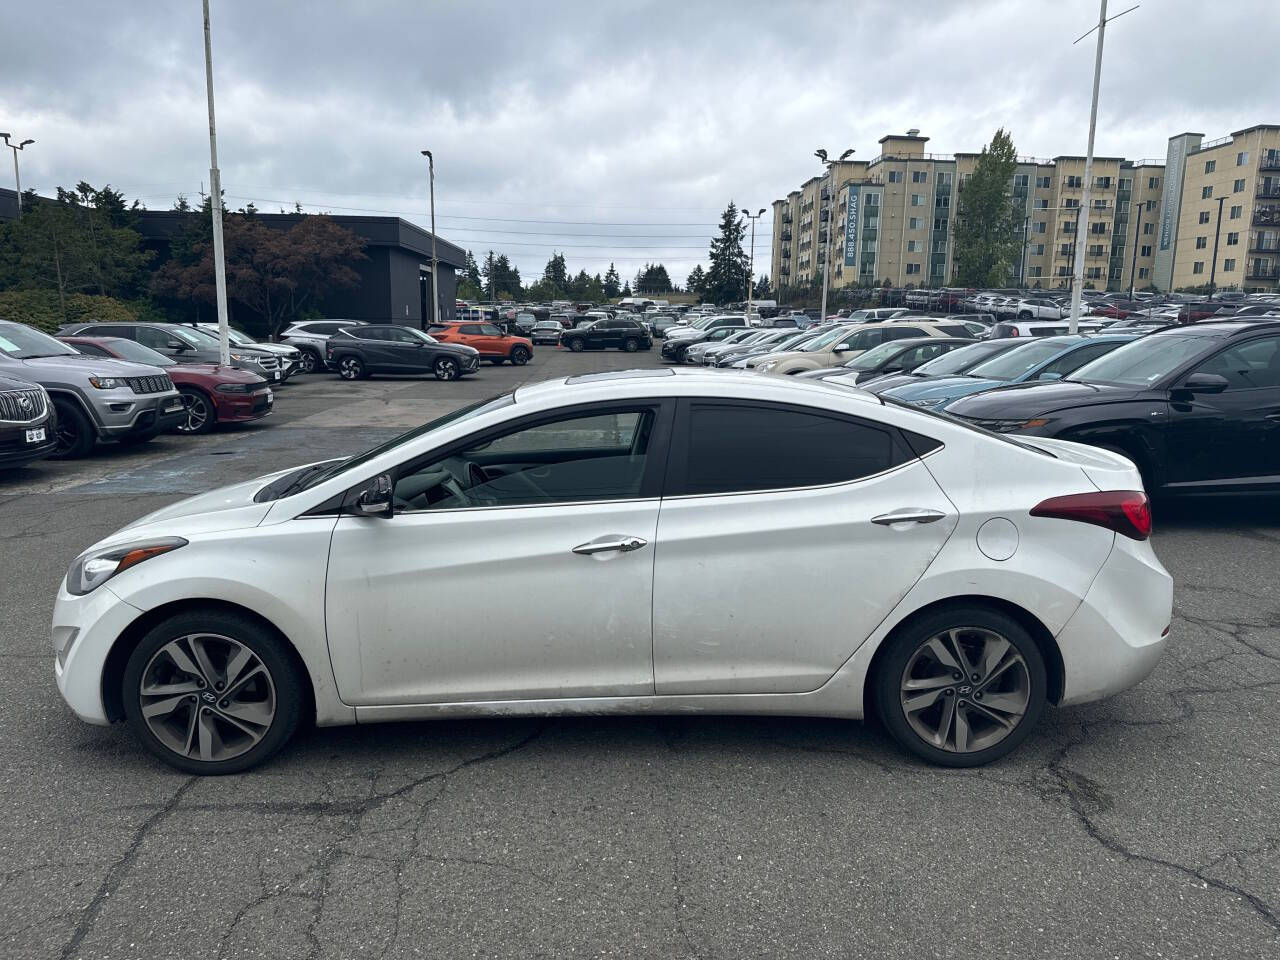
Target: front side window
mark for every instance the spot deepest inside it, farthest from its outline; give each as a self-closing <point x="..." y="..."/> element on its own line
<point x="739" y="448"/>
<point x="1017" y="362"/>
<point x="596" y="456"/>
<point x="1248" y="366"/>
<point x="472" y="329"/>
<point x="155" y="338"/>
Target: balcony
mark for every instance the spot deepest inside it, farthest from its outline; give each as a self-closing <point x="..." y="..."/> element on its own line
<point x="1266" y="215"/>
<point x="786" y="234"/>
<point x="826" y="214"/>
<point x="822" y="236"/>
<point x="1269" y="160"/>
<point x="1262" y="244"/>
<point x="1262" y="271"/>
<point x="1269" y="189"/>
<point x="786" y="253"/>
<point x="786" y="218"/>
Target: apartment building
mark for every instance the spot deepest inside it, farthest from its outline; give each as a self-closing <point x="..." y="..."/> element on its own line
<point x="1223" y="195"/>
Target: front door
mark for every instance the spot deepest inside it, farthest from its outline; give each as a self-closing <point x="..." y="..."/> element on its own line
<point x="775" y="559"/>
<point x="519" y="566"/>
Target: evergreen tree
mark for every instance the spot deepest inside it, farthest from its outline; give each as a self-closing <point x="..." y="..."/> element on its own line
<point x="555" y="277"/>
<point x="626" y="290"/>
<point x="726" y="279"/>
<point x="694" y="282"/>
<point x="612" y="282"/>
<point x="988" y="223"/>
<point x="763" y="290"/>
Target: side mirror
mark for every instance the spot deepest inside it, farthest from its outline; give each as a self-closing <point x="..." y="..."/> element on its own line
<point x="376" y="499"/>
<point x="1050" y="375"/>
<point x="1204" y="383"/>
<point x="176" y="345"/>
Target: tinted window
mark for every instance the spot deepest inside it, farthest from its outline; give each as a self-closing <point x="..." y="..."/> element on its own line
<point x="111" y="330"/>
<point x="595" y="457"/>
<point x="473" y="329"/>
<point x="91" y="349"/>
<point x="489" y="330"/>
<point x="1247" y="366"/>
<point x="1142" y="362"/>
<point x="750" y="447"/>
<point x="154" y="338"/>
<point x="1019" y="360"/>
<point x="903" y="333"/>
<point x="1075" y="360"/>
<point x="370" y="333"/>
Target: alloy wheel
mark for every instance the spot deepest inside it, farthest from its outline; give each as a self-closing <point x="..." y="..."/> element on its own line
<point x="207" y="697"/>
<point x="307" y="364"/>
<point x="446" y="369"/>
<point x="965" y="689"/>
<point x="197" y="414"/>
<point x="350" y="368"/>
<point x="519" y="356"/>
<point x="68" y="434"/>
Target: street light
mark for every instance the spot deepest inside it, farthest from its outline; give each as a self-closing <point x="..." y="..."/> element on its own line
<point x="215" y="205"/>
<point x="826" y="250"/>
<point x="751" y="269"/>
<point x="435" y="264"/>
<point x="17" y="180"/>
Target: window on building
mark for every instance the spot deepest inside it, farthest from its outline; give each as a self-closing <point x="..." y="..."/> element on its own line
<point x="1100" y="203"/>
<point x="871" y="200"/>
<point x="1042" y="183"/>
<point x="1035" y="271"/>
<point x="1097" y="228"/>
<point x="942" y="179"/>
<point x="1229" y="264"/>
<point x="1233" y="239"/>
<point x="1102" y="183"/>
<point x="1097" y="250"/>
<point x="1238" y="186"/>
<point x="1122" y="206"/>
<point x="1198" y="267"/>
<point x="1143" y="273"/>
<point x="1242" y="158"/>
<point x="1071" y="202"/>
<point x="1093" y="273"/>
<point x="1148" y="228"/>
<point x="1236" y="212"/>
<point x="895" y="176"/>
<point x="1020" y="180"/>
<point x="1210" y="166"/>
<point x="1126" y="183"/>
<point x="940" y="224"/>
<point x="917" y="199"/>
<point x="1151" y="204"/>
<point x="1153" y="183"/>
<point x="1201" y="242"/>
<point x="1042" y="203"/>
<point x="1204" y="216"/>
<point x="913" y="223"/>
<point x="1206" y="192"/>
<point x="1040" y="226"/>
<point x="919" y="176"/>
<point x="913" y="268"/>
<point x="913" y="246"/>
<point x="1116" y="273"/>
<point x="1145" y="250"/>
<point x="1074" y="182"/>
<point x="1037" y="249"/>
<point x="1068" y="226"/>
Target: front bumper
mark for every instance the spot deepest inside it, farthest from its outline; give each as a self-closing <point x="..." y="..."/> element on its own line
<point x="16" y="449"/>
<point x="123" y="413"/>
<point x="84" y="630"/>
<point x="1118" y="633"/>
<point x="243" y="407"/>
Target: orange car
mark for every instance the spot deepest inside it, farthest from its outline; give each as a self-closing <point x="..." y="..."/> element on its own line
<point x="494" y="345"/>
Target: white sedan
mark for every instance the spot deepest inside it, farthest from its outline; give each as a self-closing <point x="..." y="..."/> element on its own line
<point x="597" y="545"/>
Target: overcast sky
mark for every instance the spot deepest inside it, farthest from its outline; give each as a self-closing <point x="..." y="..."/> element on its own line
<point x="608" y="130"/>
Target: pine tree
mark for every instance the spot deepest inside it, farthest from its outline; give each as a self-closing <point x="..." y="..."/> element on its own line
<point x="726" y="280"/>
<point x="987" y="234"/>
<point x="694" y="282"/>
<point x="612" y="282"/>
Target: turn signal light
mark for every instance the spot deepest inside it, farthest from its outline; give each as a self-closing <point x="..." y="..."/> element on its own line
<point x="1126" y="512"/>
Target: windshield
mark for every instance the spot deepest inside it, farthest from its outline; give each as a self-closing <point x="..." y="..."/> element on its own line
<point x="420" y="335"/>
<point x="1019" y="360"/>
<point x="1141" y="362"/>
<point x="132" y="350"/>
<point x="957" y="361"/>
<point x="875" y="356"/>
<point x="825" y="339"/>
<point x="235" y="336"/>
<point x="23" y="343"/>
<point x="192" y="336"/>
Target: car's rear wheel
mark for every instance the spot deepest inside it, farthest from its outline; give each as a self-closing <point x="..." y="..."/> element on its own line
<point x="212" y="692"/>
<point x="200" y="414"/>
<point x="1024" y="315"/>
<point x="309" y="363"/>
<point x="446" y="368"/>
<point x="351" y="368"/>
<point x="520" y="356"/>
<point x="577" y="344"/>
<point x="631" y="345"/>
<point x="74" y="432"/>
<point x="961" y="686"/>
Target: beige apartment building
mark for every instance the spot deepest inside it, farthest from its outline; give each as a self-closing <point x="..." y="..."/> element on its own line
<point x="1226" y="199"/>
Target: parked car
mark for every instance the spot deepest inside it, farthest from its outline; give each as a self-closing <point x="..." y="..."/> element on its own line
<point x="622" y="333"/>
<point x="1046" y="358"/>
<point x="1192" y="406"/>
<point x="310" y="337"/>
<point x="958" y="361"/>
<point x="676" y="349"/>
<point x="27" y="423"/>
<point x="93" y="399"/>
<point x="185" y="344"/>
<point x="696" y="352"/>
<point x="660" y="323"/>
<point x="773" y="340"/>
<point x="1040" y="308"/>
<point x="893" y="356"/>
<point x="546" y="331"/>
<point x="846" y="341"/>
<point x="359" y="352"/>
<point x="876" y="314"/>
<point x="290" y="356"/>
<point x="213" y="394"/>
<point x="993" y="580"/>
<point x="493" y="345"/>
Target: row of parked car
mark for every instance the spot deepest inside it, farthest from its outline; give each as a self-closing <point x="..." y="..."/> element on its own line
<point x="1195" y="406"/>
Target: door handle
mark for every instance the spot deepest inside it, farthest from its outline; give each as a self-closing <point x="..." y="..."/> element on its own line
<point x="908" y="515"/>
<point x="621" y="545"/>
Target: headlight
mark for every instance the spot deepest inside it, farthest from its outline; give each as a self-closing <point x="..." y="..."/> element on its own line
<point x="235" y="387"/>
<point x="1011" y="426"/>
<point x="929" y="404"/>
<point x="108" y="383"/>
<point x="766" y="367"/>
<point x="247" y="358"/>
<point x="91" y="570"/>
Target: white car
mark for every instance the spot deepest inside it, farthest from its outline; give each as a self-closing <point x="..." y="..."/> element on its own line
<point x="597" y="544"/>
<point x="1041" y="308"/>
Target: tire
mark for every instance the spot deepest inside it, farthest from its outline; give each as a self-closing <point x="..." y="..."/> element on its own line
<point x="1025" y="315"/>
<point x="520" y="356"/>
<point x="908" y="658"/>
<point x="265" y="708"/>
<point x="630" y="345"/>
<point x="201" y="412"/>
<point x="446" y="368"/>
<point x="576" y="344"/>
<point x="310" y="363"/>
<point x="76" y="434"/>
<point x="351" y="367"/>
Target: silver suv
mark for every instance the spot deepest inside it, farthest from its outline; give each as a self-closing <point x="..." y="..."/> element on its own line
<point x="94" y="399"/>
<point x="311" y="337"/>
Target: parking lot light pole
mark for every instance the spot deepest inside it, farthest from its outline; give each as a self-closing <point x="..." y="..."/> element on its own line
<point x="1217" y="234"/>
<point x="435" y="264"/>
<point x="751" y="263"/>
<point x="1133" y="260"/>
<point x="17" y="180"/>
<point x="826" y="248"/>
<point x="215" y="197"/>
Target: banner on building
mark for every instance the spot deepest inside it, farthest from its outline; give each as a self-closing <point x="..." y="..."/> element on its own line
<point x="851" y="228"/>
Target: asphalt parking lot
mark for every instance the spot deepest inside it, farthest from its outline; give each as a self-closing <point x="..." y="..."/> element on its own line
<point x="1144" y="826"/>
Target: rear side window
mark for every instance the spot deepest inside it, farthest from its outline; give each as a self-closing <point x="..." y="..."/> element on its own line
<point x="737" y="448"/>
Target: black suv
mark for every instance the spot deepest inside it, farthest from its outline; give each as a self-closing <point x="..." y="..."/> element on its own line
<point x="621" y="332"/>
<point x="372" y="348"/>
<point x="183" y="344"/>
<point x="27" y="424"/>
<point x="1195" y="407"/>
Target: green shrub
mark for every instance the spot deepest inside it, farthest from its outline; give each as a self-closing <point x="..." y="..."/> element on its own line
<point x="41" y="309"/>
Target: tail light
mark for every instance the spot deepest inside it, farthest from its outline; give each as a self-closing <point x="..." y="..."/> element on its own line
<point x="1127" y="512"/>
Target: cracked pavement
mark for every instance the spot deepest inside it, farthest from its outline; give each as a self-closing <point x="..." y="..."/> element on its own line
<point x="1142" y="826"/>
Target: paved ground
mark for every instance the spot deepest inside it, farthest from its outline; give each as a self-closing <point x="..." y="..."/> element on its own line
<point x="1143" y="827"/>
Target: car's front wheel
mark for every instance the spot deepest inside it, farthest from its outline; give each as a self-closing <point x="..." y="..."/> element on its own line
<point x="212" y="692"/>
<point x="961" y="686"/>
<point x="75" y="433"/>
<point x="351" y="368"/>
<point x="577" y="344"/>
<point x="199" y="416"/>
<point x="520" y="356"/>
<point x="446" y="368"/>
<point x="309" y="362"/>
<point x="1025" y="315"/>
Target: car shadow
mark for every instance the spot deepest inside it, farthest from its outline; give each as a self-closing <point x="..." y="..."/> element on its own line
<point x="1212" y="513"/>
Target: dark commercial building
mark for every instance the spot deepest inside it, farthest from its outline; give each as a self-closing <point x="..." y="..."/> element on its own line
<point x="395" y="281"/>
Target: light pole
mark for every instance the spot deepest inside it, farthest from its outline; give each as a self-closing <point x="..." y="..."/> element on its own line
<point x="751" y="268"/>
<point x="1217" y="233"/>
<point x="1133" y="259"/>
<point x="17" y="180"/>
<point x="215" y="197"/>
<point x="435" y="264"/>
<point x="826" y="249"/>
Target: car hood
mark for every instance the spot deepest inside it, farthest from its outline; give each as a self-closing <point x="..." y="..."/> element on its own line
<point x="230" y="374"/>
<point x="278" y="349"/>
<point x="1033" y="399"/>
<point x="942" y="388"/>
<point x="89" y="366"/>
<point x="459" y="348"/>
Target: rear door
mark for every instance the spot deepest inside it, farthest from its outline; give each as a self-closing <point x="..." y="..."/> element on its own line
<point x="775" y="559"/>
<point x="489" y="341"/>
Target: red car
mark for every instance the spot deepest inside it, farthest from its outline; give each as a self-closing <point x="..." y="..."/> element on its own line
<point x="493" y="344"/>
<point x="213" y="393"/>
